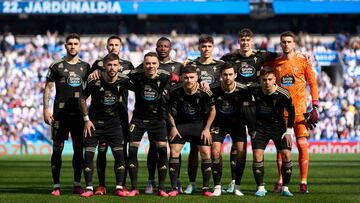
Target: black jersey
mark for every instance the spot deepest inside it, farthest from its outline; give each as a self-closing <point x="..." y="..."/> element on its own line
<point x="187" y="108"/>
<point x="150" y="94"/>
<point x="126" y="66"/>
<point x="248" y="68"/>
<point x="207" y="72"/>
<point x="270" y="109"/>
<point x="228" y="104"/>
<point x="69" y="81"/>
<point x="106" y="98"/>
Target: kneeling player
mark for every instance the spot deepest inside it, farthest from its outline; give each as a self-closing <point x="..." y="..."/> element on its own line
<point x="103" y="120"/>
<point x="189" y="122"/>
<point x="271" y="101"/>
<point x="229" y="97"/>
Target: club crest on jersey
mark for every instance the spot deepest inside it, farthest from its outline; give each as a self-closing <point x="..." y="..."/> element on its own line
<point x="149" y="94"/>
<point x="74" y="80"/>
<point x="109" y="98"/>
<point x="247" y="70"/>
<point x="255" y="59"/>
<point x="287" y="80"/>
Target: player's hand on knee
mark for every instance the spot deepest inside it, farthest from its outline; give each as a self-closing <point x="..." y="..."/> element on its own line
<point x="95" y="75"/>
<point x="88" y="128"/>
<point x="206" y="136"/>
<point x="288" y="136"/>
<point x="174" y="133"/>
<point x="48" y="118"/>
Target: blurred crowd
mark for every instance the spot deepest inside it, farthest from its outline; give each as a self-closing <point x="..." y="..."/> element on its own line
<point x="24" y="62"/>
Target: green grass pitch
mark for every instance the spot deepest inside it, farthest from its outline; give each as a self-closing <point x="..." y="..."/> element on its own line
<point x="332" y="178"/>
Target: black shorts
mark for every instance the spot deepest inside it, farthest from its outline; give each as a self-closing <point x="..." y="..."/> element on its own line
<point x="190" y="132"/>
<point x="156" y="130"/>
<point x="263" y="137"/>
<point x="237" y="133"/>
<point x="109" y="131"/>
<point x="125" y="132"/>
<point x="65" y="124"/>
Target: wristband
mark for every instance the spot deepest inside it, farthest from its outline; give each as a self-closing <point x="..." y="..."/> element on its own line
<point x="86" y="118"/>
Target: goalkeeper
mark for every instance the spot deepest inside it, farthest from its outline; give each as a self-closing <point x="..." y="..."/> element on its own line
<point x="293" y="72"/>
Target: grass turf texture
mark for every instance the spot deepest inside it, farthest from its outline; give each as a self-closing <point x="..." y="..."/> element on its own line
<point x="332" y="178"/>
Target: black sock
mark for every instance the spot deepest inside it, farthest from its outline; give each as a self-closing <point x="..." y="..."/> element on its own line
<point x="206" y="172"/>
<point x="258" y="170"/>
<point x="78" y="163"/>
<point x="101" y="163"/>
<point x="233" y="155"/>
<point x="89" y="165"/>
<point x="240" y="166"/>
<point x="119" y="165"/>
<point x="162" y="166"/>
<point x="133" y="166"/>
<point x="56" y="163"/>
<point x="216" y="170"/>
<point x="286" y="170"/>
<point x="193" y="163"/>
<point x="178" y="175"/>
<point x="126" y="159"/>
<point x="152" y="158"/>
<point x="174" y="167"/>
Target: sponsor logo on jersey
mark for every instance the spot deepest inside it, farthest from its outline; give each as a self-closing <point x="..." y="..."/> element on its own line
<point x="287" y="80"/>
<point x="247" y="71"/>
<point x="208" y="78"/>
<point x="226" y="108"/>
<point x="149" y="94"/>
<point x="188" y="109"/>
<point x="109" y="99"/>
<point x="74" y="80"/>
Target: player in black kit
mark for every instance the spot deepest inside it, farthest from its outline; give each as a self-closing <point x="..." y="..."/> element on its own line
<point x="248" y="62"/>
<point x="151" y="86"/>
<point x="103" y="120"/>
<point x="271" y="102"/>
<point x="163" y="48"/>
<point x="113" y="45"/>
<point x="68" y="74"/>
<point x="230" y="98"/>
<point x="191" y="113"/>
<point x="208" y="70"/>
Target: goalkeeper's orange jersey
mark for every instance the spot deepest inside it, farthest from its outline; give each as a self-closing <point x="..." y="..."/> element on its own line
<point x="293" y="74"/>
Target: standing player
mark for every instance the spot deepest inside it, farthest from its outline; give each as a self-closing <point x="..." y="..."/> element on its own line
<point x="293" y="73"/>
<point x="149" y="115"/>
<point x="192" y="112"/>
<point x="163" y="48"/>
<point x="230" y="97"/>
<point x="68" y="74"/>
<point x="271" y="102"/>
<point x="103" y="120"/>
<point x="248" y="65"/>
<point x="208" y="71"/>
<point x="113" y="45"/>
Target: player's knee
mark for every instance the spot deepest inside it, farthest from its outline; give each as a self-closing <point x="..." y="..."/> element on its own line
<point x="162" y="150"/>
<point x="215" y="153"/>
<point x="58" y="148"/>
<point x="90" y="149"/>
